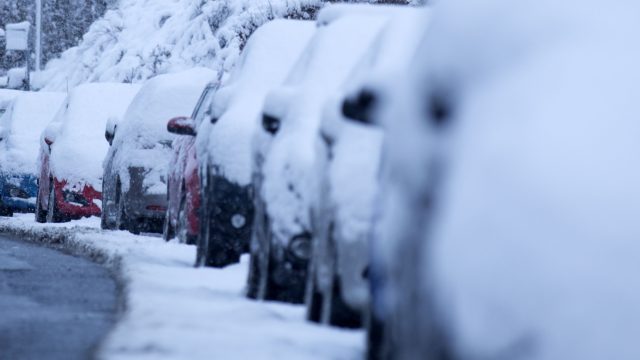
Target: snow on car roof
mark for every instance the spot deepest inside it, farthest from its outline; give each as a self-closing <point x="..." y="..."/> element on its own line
<point x="334" y="11"/>
<point x="159" y="100"/>
<point x="79" y="146"/>
<point x="22" y="124"/>
<point x="267" y="59"/>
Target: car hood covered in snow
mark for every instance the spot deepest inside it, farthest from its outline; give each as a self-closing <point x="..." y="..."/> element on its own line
<point x="77" y="131"/>
<point x="327" y="61"/>
<point x="141" y="138"/>
<point x="237" y="106"/>
<point x="20" y="129"/>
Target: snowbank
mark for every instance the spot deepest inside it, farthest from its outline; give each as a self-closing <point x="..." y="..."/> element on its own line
<point x="20" y="129"/>
<point x="175" y="311"/>
<point x="141" y="39"/>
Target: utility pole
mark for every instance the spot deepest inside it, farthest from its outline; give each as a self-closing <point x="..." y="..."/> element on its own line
<point x="38" y="34"/>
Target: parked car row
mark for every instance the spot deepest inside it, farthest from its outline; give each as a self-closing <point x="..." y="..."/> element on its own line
<point x="457" y="181"/>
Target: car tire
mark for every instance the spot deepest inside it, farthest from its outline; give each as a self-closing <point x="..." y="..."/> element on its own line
<point x="53" y="214"/>
<point x="5" y="211"/>
<point x="168" y="232"/>
<point x="337" y="311"/>
<point x="313" y="298"/>
<point x="41" y="214"/>
<point x="123" y="221"/>
<point x="376" y="349"/>
<point x="181" y="231"/>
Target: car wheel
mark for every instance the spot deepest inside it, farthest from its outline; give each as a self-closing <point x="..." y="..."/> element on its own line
<point x="337" y="311"/>
<point x="41" y="214"/>
<point x="313" y="297"/>
<point x="53" y="214"/>
<point x="5" y="211"/>
<point x="182" y="232"/>
<point x="376" y="350"/>
<point x="123" y="221"/>
<point x="168" y="232"/>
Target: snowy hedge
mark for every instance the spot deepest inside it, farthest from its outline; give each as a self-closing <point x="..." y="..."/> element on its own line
<point x="143" y="38"/>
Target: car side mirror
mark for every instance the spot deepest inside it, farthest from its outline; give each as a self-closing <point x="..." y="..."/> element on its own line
<point x="270" y="124"/>
<point x="182" y="125"/>
<point x="109" y="135"/>
<point x="359" y="108"/>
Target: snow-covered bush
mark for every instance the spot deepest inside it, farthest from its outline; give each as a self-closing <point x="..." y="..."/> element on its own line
<point x="143" y="38"/>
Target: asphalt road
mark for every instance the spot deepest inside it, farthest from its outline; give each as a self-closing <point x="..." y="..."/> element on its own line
<point x="52" y="305"/>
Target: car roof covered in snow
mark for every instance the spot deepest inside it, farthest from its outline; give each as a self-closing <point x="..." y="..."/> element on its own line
<point x="160" y="99"/>
<point x="78" y="130"/>
<point x="267" y="59"/>
<point x="21" y="126"/>
<point x="334" y="11"/>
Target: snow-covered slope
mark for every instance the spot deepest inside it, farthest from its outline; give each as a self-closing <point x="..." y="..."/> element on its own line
<point x="143" y="38"/>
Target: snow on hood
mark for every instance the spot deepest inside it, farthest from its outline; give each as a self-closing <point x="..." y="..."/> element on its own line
<point x="288" y="177"/>
<point x="78" y="130"/>
<point x="356" y="148"/>
<point x="535" y="250"/>
<point x="141" y="138"/>
<point x="141" y="39"/>
<point x="265" y="63"/>
<point x="21" y="126"/>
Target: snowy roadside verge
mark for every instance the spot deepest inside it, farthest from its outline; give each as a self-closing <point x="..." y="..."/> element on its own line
<point x="174" y="311"/>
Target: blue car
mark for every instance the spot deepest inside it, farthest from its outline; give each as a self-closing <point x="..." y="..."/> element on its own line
<point x="17" y="193"/>
<point x="20" y="126"/>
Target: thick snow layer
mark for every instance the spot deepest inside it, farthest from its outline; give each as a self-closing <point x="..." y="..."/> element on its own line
<point x="20" y="129"/>
<point x="237" y="106"/>
<point x="78" y="131"/>
<point x="140" y="39"/>
<point x="142" y="139"/>
<point x="288" y="169"/>
<point x="175" y="311"/>
<point x="535" y="250"/>
<point x="356" y="149"/>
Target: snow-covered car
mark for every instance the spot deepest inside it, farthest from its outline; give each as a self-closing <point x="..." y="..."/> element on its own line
<point x="348" y="166"/>
<point x="137" y="163"/>
<point x="224" y="139"/>
<point x="284" y="156"/>
<point x="183" y="187"/>
<point x="513" y="190"/>
<point x="72" y="150"/>
<point x="25" y="117"/>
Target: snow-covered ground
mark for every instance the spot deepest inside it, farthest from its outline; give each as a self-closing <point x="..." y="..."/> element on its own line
<point x="172" y="310"/>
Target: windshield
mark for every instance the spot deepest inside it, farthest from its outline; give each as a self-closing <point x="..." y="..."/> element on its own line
<point x="202" y="108"/>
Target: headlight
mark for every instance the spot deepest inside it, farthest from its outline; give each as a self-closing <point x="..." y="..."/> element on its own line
<point x="16" y="192"/>
<point x="238" y="221"/>
<point x="300" y="246"/>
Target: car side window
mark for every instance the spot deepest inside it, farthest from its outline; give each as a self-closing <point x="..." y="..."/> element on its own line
<point x="204" y="104"/>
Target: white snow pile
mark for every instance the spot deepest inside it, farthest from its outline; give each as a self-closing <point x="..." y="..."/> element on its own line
<point x="265" y="62"/>
<point x="77" y="131"/>
<point x="141" y="138"/>
<point x="143" y="38"/>
<point x="20" y="129"/>
<point x="175" y="311"/>
<point x="288" y="169"/>
<point x="536" y="253"/>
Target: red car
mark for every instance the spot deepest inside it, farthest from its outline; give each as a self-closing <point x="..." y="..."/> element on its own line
<point x="183" y="185"/>
<point x="72" y="151"/>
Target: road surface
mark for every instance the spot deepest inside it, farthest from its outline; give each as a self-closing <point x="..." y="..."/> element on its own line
<point x="52" y="305"/>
